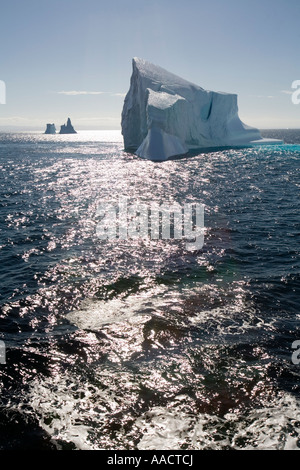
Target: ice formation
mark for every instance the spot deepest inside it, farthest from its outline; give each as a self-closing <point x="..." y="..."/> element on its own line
<point x="164" y="116"/>
<point x="50" y="129"/>
<point x="67" y="128"/>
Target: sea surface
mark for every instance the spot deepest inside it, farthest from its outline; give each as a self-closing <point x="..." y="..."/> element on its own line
<point x="141" y="343"/>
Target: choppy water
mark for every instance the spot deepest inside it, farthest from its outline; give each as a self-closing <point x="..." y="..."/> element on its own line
<point x="141" y="344"/>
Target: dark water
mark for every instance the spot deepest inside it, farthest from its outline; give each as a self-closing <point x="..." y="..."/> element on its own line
<point x="141" y="344"/>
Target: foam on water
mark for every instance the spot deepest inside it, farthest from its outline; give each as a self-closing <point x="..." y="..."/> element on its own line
<point x="275" y="427"/>
<point x="222" y="311"/>
<point x="78" y="414"/>
<point x="94" y="314"/>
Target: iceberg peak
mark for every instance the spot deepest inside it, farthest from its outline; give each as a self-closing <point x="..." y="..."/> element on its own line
<point x="158" y="74"/>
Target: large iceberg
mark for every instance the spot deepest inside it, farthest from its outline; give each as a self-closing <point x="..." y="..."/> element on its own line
<point x="165" y="116"/>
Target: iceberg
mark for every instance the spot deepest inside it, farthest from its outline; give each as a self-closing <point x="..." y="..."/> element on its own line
<point x="67" y="128"/>
<point x="50" y="129"/>
<point x="165" y="116"/>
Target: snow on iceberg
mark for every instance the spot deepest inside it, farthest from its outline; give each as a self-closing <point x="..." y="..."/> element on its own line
<point x="164" y="116"/>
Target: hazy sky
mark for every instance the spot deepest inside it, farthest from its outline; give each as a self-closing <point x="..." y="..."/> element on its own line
<point x="73" y="57"/>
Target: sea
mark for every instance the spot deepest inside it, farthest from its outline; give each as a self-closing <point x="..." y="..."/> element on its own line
<point x="139" y="343"/>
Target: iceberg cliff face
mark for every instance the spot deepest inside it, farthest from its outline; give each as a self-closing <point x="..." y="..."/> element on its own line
<point x="164" y="115"/>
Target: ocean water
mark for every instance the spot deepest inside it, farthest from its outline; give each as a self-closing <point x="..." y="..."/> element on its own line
<point x="140" y="343"/>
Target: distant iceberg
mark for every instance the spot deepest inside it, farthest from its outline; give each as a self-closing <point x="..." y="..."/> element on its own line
<point x="51" y="129"/>
<point x="67" y="128"/>
<point x="164" y="116"/>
